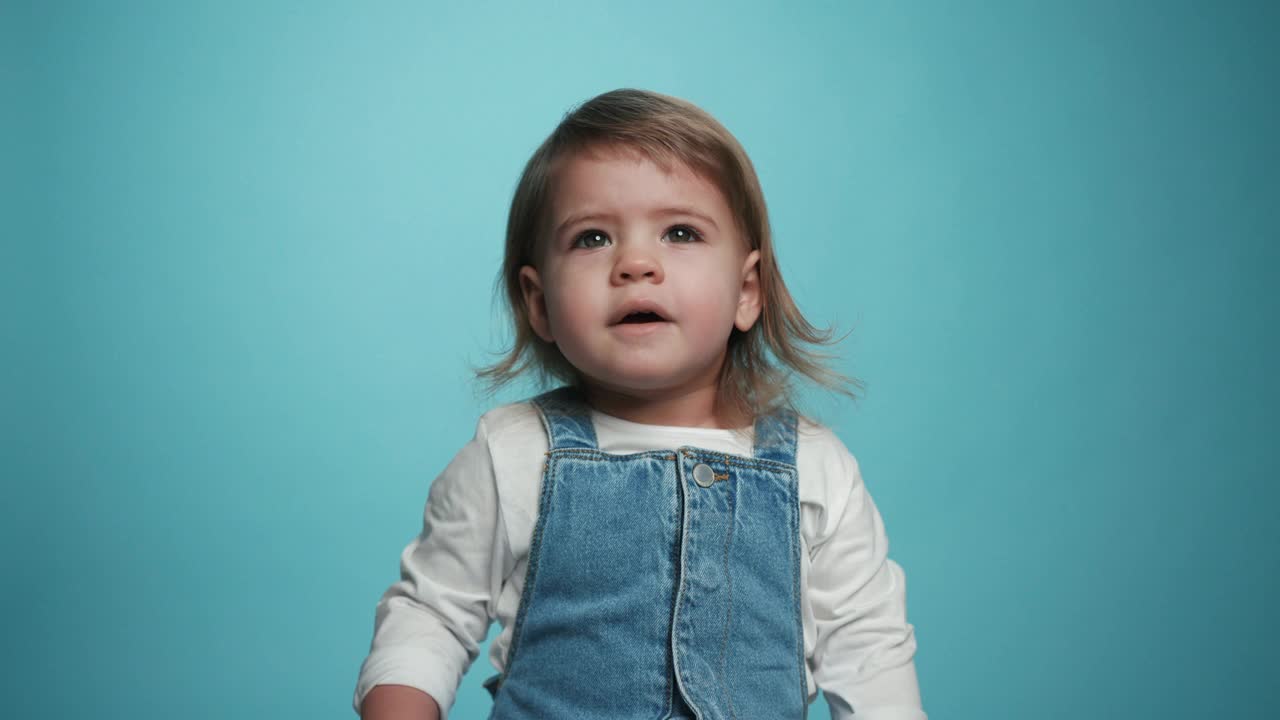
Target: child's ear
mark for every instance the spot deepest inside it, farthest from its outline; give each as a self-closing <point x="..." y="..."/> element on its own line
<point x="535" y="302"/>
<point x="749" y="300"/>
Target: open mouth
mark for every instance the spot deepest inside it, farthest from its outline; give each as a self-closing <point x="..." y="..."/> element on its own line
<point x="641" y="317"/>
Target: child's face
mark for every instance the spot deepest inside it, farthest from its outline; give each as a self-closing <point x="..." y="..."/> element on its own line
<point x="628" y="237"/>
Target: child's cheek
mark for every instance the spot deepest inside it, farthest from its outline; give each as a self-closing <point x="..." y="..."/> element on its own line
<point x="569" y="318"/>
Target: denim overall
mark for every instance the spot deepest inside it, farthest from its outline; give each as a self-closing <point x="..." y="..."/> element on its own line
<point x="661" y="584"/>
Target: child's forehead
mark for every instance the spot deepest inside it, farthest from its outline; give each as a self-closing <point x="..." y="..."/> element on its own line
<point x="602" y="148"/>
<point x="601" y="174"/>
<point x="623" y="155"/>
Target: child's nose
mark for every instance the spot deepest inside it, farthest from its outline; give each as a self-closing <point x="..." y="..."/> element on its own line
<point x="637" y="266"/>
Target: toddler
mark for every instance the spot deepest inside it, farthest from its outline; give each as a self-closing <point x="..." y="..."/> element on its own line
<point x="662" y="535"/>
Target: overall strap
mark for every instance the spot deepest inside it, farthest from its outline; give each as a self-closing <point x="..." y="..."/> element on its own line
<point x="775" y="436"/>
<point x="566" y="418"/>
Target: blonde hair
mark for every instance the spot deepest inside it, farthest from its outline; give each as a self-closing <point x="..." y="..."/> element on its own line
<point x="760" y="362"/>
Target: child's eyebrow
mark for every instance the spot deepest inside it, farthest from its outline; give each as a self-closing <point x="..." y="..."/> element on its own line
<point x="659" y="212"/>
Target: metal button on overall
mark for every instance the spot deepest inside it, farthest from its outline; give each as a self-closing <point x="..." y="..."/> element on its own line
<point x="703" y="475"/>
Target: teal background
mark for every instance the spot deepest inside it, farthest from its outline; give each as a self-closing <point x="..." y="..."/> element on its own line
<point x="250" y="249"/>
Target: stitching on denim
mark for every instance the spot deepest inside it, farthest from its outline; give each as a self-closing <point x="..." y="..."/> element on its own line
<point x="531" y="571"/>
<point x="728" y="615"/>
<point x="601" y="455"/>
<point x="794" y="534"/>
<point x="775" y="435"/>
<point x="736" y="460"/>
<point x="671" y="699"/>
<point x="679" y="621"/>
<point x="687" y="450"/>
<point x="560" y="409"/>
<point x="674" y="556"/>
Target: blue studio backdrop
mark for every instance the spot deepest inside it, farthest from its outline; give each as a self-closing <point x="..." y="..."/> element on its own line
<point x="248" y="257"/>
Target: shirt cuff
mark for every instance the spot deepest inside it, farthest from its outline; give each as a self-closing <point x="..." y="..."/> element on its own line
<point x="883" y="712"/>
<point x="891" y="694"/>
<point x="413" y="667"/>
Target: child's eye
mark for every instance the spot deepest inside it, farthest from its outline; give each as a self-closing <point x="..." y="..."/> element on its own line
<point x="683" y="234"/>
<point x="591" y="239"/>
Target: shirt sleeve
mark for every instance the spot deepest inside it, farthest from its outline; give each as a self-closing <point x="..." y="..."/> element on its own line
<point x="864" y="650"/>
<point x="428" y="626"/>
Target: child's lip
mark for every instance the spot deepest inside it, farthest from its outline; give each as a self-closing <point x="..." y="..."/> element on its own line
<point x="639" y="305"/>
<point x="638" y="329"/>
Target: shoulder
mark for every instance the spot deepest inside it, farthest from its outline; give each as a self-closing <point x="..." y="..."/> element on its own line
<point x="512" y="431"/>
<point x="829" y="475"/>
<point x="817" y="446"/>
<point x="502" y="435"/>
<point x="513" y="434"/>
<point x="515" y="444"/>
<point x="511" y="420"/>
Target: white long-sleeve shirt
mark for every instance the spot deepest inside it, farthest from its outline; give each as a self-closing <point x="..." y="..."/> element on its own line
<point x="467" y="566"/>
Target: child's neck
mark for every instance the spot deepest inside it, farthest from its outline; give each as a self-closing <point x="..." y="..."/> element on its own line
<point x="684" y="406"/>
